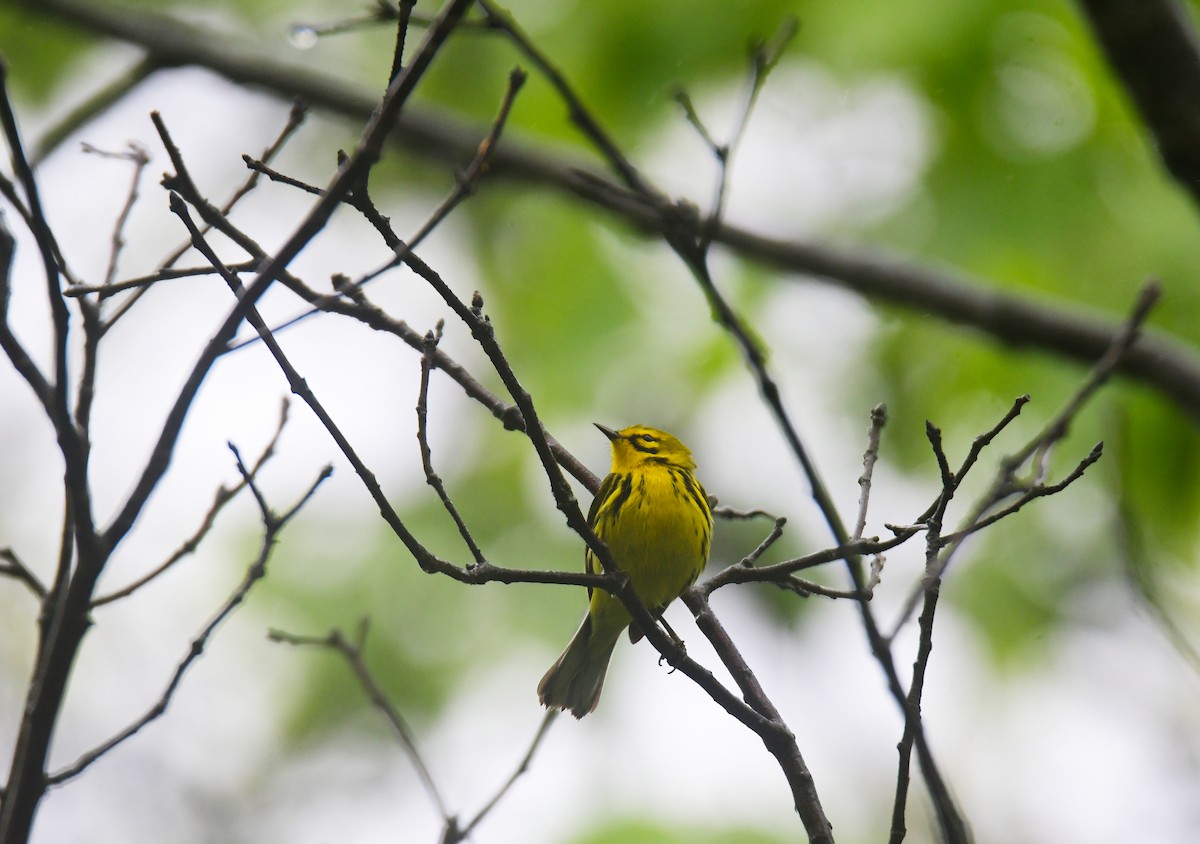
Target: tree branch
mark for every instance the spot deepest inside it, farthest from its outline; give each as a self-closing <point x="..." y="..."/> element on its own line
<point x="272" y="524"/>
<point x="1152" y="47"/>
<point x="1158" y="360"/>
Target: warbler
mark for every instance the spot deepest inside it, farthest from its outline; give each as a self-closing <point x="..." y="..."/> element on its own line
<point x="654" y="518"/>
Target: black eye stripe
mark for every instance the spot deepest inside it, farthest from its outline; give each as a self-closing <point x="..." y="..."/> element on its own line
<point x="642" y="442"/>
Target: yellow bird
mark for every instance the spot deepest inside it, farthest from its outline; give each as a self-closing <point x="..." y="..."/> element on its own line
<point x="654" y="517"/>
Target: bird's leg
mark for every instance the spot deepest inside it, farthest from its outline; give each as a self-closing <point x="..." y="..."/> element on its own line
<point x="675" y="638"/>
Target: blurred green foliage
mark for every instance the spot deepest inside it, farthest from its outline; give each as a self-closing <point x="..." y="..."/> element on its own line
<point x="631" y="831"/>
<point x="1040" y="180"/>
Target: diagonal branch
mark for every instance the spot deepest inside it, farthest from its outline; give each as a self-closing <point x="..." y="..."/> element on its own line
<point x="272" y="524"/>
<point x="1064" y="329"/>
<point x="1153" y="49"/>
<point x="352" y="653"/>
<point x="347" y="179"/>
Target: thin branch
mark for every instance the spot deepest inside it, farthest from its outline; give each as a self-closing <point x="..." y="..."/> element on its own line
<point x="47" y="247"/>
<point x="1100" y="373"/>
<point x="913" y="721"/>
<point x="1005" y="483"/>
<point x="763" y="57"/>
<point x="11" y="566"/>
<point x="1033" y="493"/>
<point x="425" y="558"/>
<point x="106" y="290"/>
<point x="778" y="572"/>
<point x="21" y="360"/>
<point x="578" y="113"/>
<point x="352" y="654"/>
<point x="807" y="588"/>
<point x="721" y="512"/>
<point x="259" y="168"/>
<point x="432" y="477"/>
<point x="770" y="539"/>
<point x="93" y="325"/>
<point x="139" y="158"/>
<point x="464" y="187"/>
<point x="223" y="496"/>
<point x="870" y="456"/>
<point x="404" y="15"/>
<point x="295" y="119"/>
<point x="93" y="107"/>
<point x="272" y="524"/>
<point x="934" y="434"/>
<point x="521" y="768"/>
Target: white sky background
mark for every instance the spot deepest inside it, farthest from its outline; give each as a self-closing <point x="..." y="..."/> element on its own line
<point x="1075" y="749"/>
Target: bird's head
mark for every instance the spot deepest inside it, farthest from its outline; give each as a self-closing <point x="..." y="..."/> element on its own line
<point x="640" y="444"/>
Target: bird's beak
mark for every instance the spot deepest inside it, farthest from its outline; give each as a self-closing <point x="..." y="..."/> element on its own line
<point x="608" y="432"/>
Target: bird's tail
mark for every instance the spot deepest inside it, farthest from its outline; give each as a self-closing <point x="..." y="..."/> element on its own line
<point x="575" y="680"/>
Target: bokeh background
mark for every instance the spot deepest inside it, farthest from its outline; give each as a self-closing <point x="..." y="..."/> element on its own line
<point x="986" y="138"/>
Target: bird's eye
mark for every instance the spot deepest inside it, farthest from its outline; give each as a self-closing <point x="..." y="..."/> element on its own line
<point x="647" y="438"/>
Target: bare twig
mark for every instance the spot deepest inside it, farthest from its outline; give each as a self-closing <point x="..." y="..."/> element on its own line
<point x="21" y="360"/>
<point x="465" y="186"/>
<point x="739" y="515"/>
<point x="1039" y="490"/>
<point x="295" y="120"/>
<point x="870" y="456"/>
<point x="579" y="114"/>
<point x="107" y="290"/>
<point x="941" y="548"/>
<point x="260" y="168"/>
<point x="352" y="653"/>
<point x="272" y="524"/>
<point x="878" y="420"/>
<point x="93" y="107"/>
<point x="139" y="158"/>
<point x="521" y="768"/>
<point x="404" y="15"/>
<point x="223" y="496"/>
<point x="1006" y="484"/>
<point x="11" y="566"/>
<point x="912" y="724"/>
<point x="778" y="572"/>
<point x="764" y="55"/>
<point x="432" y="477"/>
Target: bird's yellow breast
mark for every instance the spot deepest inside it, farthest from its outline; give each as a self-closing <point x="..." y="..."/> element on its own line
<point x="657" y="526"/>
